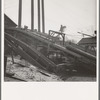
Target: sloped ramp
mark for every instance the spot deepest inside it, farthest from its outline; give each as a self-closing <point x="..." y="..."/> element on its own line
<point x="30" y="54"/>
<point x="81" y="56"/>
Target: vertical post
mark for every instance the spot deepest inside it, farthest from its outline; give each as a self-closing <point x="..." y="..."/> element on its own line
<point x="39" y="24"/>
<point x="63" y="39"/>
<point x="20" y="14"/>
<point x="12" y="57"/>
<point x="32" y="15"/>
<point x="5" y="64"/>
<point x="43" y="17"/>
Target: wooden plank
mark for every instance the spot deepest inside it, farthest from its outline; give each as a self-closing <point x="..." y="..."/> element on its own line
<point x="32" y="51"/>
<point x="14" y="79"/>
<point x="25" y="55"/>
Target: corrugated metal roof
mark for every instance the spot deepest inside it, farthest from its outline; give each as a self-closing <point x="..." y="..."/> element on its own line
<point x="87" y="41"/>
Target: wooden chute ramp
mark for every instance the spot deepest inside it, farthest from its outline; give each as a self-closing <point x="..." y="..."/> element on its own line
<point x="28" y="53"/>
<point x="26" y="42"/>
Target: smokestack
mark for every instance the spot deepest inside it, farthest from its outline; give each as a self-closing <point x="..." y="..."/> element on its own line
<point x="39" y="24"/>
<point x="43" y="17"/>
<point x="32" y="15"/>
<point x="20" y="14"/>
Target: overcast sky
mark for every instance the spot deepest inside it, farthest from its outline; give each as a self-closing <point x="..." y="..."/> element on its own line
<point x="76" y="15"/>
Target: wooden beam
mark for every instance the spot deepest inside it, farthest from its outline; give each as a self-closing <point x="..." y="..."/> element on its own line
<point x="20" y="14"/>
<point x="39" y="20"/>
<point x="32" y="15"/>
<point x="43" y="17"/>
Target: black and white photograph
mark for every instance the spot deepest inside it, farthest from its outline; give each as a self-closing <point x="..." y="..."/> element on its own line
<point x="50" y="41"/>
